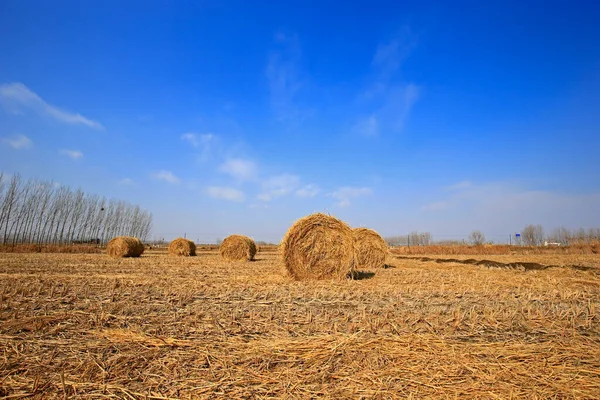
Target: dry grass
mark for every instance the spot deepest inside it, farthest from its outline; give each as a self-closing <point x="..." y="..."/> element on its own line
<point x="581" y="248"/>
<point x="51" y="248"/>
<point x="318" y="246"/>
<point x="371" y="249"/>
<point x="182" y="247"/>
<point x="238" y="248"/>
<point x="159" y="327"/>
<point x="125" y="246"/>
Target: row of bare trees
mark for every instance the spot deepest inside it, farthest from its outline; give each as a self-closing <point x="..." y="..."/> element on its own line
<point x="412" y="239"/>
<point x="533" y="235"/>
<point x="575" y="236"/>
<point x="40" y="212"/>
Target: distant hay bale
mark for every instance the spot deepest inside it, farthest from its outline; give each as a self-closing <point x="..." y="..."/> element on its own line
<point x="125" y="246"/>
<point x="238" y="248"/>
<point x="371" y="249"/>
<point x="182" y="247"/>
<point x="318" y="246"/>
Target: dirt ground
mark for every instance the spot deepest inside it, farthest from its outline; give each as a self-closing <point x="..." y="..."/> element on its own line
<point x="86" y="325"/>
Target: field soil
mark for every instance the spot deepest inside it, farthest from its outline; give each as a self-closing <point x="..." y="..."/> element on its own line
<point x="160" y="326"/>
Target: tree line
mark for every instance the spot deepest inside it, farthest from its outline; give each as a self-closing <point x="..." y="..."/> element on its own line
<point x="530" y="235"/>
<point x="40" y="212"/>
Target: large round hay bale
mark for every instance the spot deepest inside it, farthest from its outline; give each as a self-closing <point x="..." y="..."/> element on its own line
<point x="182" y="247"/>
<point x="125" y="246"/>
<point x="238" y="248"/>
<point x="318" y="246"/>
<point x="371" y="249"/>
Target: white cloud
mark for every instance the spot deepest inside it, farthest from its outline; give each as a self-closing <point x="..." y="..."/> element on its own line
<point x="308" y="191"/>
<point x="18" y="142"/>
<point x="72" y="154"/>
<point x="191" y="138"/>
<point x="367" y="126"/>
<point x="125" y="182"/>
<point x="205" y="142"/>
<point x="16" y="96"/>
<point x="277" y="186"/>
<point x="345" y="193"/>
<point x="198" y="140"/>
<point x="166" y="176"/>
<point x="225" y="193"/>
<point x="243" y="170"/>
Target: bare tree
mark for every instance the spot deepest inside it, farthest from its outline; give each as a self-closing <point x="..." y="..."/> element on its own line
<point x="533" y="235"/>
<point x="36" y="212"/>
<point x="8" y="205"/>
<point x="477" y="238"/>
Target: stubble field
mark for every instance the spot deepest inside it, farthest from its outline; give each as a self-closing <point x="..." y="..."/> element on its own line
<point x="86" y="325"/>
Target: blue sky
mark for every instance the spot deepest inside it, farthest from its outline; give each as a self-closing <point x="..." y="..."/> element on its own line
<point x="240" y="118"/>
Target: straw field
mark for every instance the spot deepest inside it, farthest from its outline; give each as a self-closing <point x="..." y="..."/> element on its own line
<point x="158" y="327"/>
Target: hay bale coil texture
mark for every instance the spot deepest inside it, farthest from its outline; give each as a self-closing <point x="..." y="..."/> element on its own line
<point x="238" y="248"/>
<point x="125" y="246"/>
<point x="371" y="249"/>
<point x="318" y="246"/>
<point x="182" y="247"/>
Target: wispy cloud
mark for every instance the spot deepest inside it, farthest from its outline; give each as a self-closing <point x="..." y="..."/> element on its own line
<point x="225" y="193"/>
<point x="460" y="185"/>
<point x="125" y="182"/>
<point x="367" y="126"/>
<point x="277" y="186"/>
<point x="308" y="191"/>
<point x="166" y="176"/>
<point x="345" y="193"/>
<point x="203" y="141"/>
<point x="240" y="169"/>
<point x="16" y="96"/>
<point x="389" y="56"/>
<point x="285" y="79"/>
<point x="72" y="154"/>
<point x="18" y="142"/>
<point x="389" y="98"/>
<point x="507" y="207"/>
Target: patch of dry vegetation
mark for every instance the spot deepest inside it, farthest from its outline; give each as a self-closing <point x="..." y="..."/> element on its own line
<point x="51" y="248"/>
<point x="498" y="249"/>
<point x="186" y="327"/>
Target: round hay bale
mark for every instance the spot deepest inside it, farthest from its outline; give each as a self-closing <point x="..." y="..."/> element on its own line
<point x="238" y="248"/>
<point x="371" y="249"/>
<point x="318" y="246"/>
<point x="182" y="247"/>
<point x="125" y="246"/>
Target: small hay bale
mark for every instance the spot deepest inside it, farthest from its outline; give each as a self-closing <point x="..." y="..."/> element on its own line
<point x="238" y="248"/>
<point x="371" y="249"/>
<point x="125" y="246"/>
<point x="182" y="247"/>
<point x="318" y="246"/>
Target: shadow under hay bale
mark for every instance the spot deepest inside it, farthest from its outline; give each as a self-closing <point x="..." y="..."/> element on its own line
<point x="318" y="246"/>
<point x="125" y="246"/>
<point x="182" y="247"/>
<point x="238" y="248"/>
<point x="371" y="249"/>
<point x="360" y="275"/>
